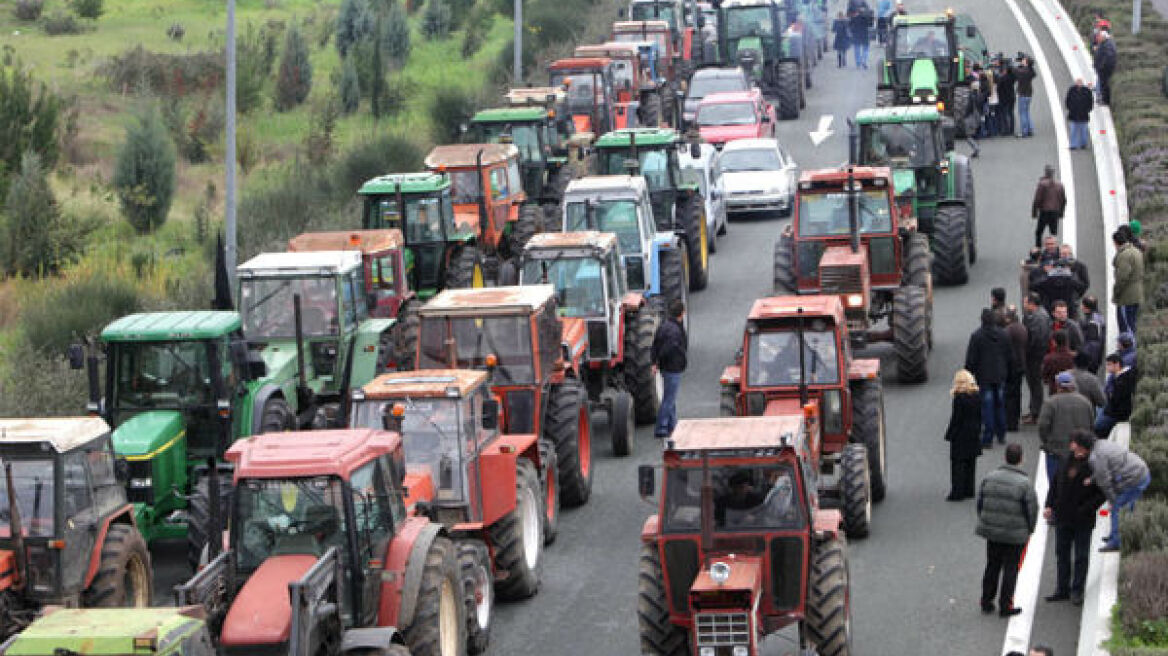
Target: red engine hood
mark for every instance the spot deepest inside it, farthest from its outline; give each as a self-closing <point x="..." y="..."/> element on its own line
<point x="262" y="611"/>
<point x="781" y="407"/>
<point x="722" y="133"/>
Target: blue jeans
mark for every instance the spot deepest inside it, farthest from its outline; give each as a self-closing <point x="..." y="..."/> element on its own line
<point x="1126" y="498"/>
<point x="860" y="49"/>
<point x="1103" y="424"/>
<point x="667" y="413"/>
<point x="1079" y="136"/>
<point x="1026" y="128"/>
<point x="1126" y="316"/>
<point x="1052" y="467"/>
<point x="993" y="413"/>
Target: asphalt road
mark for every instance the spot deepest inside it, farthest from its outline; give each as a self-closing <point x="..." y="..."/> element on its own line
<point x="915" y="580"/>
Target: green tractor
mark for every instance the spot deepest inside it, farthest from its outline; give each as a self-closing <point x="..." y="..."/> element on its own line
<point x="757" y="35"/>
<point x="677" y="201"/>
<point x="928" y="61"/>
<point x="146" y="631"/>
<point x="933" y="182"/>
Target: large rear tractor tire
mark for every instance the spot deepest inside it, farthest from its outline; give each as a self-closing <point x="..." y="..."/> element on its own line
<point x="568" y="425"/>
<point x="918" y="263"/>
<point x="518" y="537"/>
<point x="910" y="334"/>
<point x="950" y="245"/>
<point x="885" y="97"/>
<point x="555" y="191"/>
<point x="124" y="576"/>
<point x="478" y="592"/>
<point x="406" y="336"/>
<point x="548" y="479"/>
<point x="466" y="270"/>
<point x="439" y="624"/>
<point x="691" y="213"/>
<point x="622" y="424"/>
<point x="969" y="195"/>
<point x="530" y="221"/>
<point x="728" y="403"/>
<point x="659" y="636"/>
<point x="789" y="90"/>
<point x="674" y="279"/>
<point x="638" y="365"/>
<point x="868" y="429"/>
<point x="199" y="515"/>
<point x="784" y="268"/>
<point x="855" y="491"/>
<point x="651" y="110"/>
<point x="829" y="607"/>
<point x="962" y="106"/>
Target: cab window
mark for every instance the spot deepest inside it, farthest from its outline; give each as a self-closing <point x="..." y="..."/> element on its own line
<point x="383" y="273"/>
<point x="348" y="300"/>
<point x="498" y="183"/>
<point x="514" y="181"/>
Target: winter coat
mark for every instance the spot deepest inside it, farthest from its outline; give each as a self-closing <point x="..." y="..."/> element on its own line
<point x="989" y="356"/>
<point x="1037" y="333"/>
<point x="669" y="347"/>
<point x="1094" y="337"/>
<point x="1087" y="384"/>
<point x="1061" y="414"/>
<point x="1128" y="355"/>
<point x="1115" y="469"/>
<point x="1017" y="334"/>
<point x="1049" y="196"/>
<point x="1060" y="285"/>
<point x="860" y="23"/>
<point x="964" y="431"/>
<point x="1073" y="331"/>
<point x="1080" y="101"/>
<point x="840" y="28"/>
<point x="1119" y="390"/>
<point x="1025" y="76"/>
<point x="1007" y="508"/>
<point x="1055" y="363"/>
<point x="1105" y="56"/>
<point x="1129" y="276"/>
<point x="1072" y="500"/>
<point x="1080" y="271"/>
<point x="1006" y="82"/>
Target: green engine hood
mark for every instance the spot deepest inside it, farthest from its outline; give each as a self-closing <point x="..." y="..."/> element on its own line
<point x="106" y="632"/>
<point x="923" y="78"/>
<point x="148" y="432"/>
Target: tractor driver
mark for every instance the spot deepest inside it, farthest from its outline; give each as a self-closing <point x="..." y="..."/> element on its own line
<point x="929" y="45"/>
<point x="778" y="359"/>
<point x="739" y="500"/>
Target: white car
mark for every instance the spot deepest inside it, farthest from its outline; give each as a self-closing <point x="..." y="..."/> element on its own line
<point x="707" y="173"/>
<point x="758" y="176"/>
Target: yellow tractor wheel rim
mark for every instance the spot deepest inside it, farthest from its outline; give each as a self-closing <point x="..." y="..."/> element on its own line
<point x="476" y="277"/>
<point x="705" y="245"/>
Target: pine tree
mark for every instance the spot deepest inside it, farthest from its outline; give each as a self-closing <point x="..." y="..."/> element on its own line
<point x="29" y="114"/>
<point x="294" y="79"/>
<point x="350" y="87"/>
<point x="144" y="174"/>
<point x="395" y="38"/>
<point x="436" y="19"/>
<point x="28" y="234"/>
<point x="377" y="83"/>
<point x="354" y="21"/>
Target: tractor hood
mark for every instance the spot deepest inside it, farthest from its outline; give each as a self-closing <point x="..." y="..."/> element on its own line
<point x="720" y="134"/>
<point x="147" y="432"/>
<point x="923" y="79"/>
<point x="262" y="611"/>
<point x="783" y="407"/>
<point x="280" y="360"/>
<point x="9" y="577"/>
<point x="737" y="591"/>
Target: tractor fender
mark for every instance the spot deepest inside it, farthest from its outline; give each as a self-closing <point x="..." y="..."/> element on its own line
<point x="651" y="528"/>
<point x="827" y="523"/>
<point x="958" y="165"/>
<point x="632" y="301"/>
<point x="412" y="582"/>
<point x="260" y="398"/>
<point x="864" y="369"/>
<point x="372" y="639"/>
<point x="124" y="515"/>
<point x="731" y="376"/>
<point x="498" y="463"/>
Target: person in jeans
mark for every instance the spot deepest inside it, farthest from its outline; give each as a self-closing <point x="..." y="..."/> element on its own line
<point x="1007" y="510"/>
<point x="841" y="30"/>
<point x="670" y="345"/>
<point x="1071" y="504"/>
<point x="1064" y="412"/>
<point x="1080" y="102"/>
<point x="962" y="436"/>
<point x="860" y="17"/>
<point x="1118" y="390"/>
<point x="1050" y="201"/>
<point x="1024" y="75"/>
<point x="1121" y="475"/>
<point x="1037" y="322"/>
<point x="991" y="361"/>
<point x="1127" y="291"/>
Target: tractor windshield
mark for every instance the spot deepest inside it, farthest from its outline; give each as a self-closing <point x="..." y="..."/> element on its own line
<point x="726" y="114"/>
<point x="661" y="39"/>
<point x="913" y="41"/>
<point x="755" y="159"/>
<point x="32" y="480"/>
<point x="898" y="144"/>
<point x="643" y="11"/>
<point x="466" y="186"/>
<point x="268" y="311"/>
<point x="616" y="216"/>
<point x="774" y="358"/>
<point x="435" y="433"/>
<point x="474" y="338"/>
<point x="748" y="21"/>
<point x="653" y="163"/>
<point x="826" y="215"/>
<point x="161" y="375"/>
<point x="302" y="516"/>
<point x="578" y="282"/>
<point x="426" y="215"/>
<point x="584" y="90"/>
<point x="746" y="498"/>
<point x="525" y="136"/>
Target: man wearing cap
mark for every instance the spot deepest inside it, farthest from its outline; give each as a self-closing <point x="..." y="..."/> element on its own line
<point x="1127" y="349"/>
<point x="1062" y="413"/>
<point x="1050" y="200"/>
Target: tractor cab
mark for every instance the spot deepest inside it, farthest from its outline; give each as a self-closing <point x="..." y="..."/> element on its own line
<point x="635" y="83"/>
<point x="675" y="14"/>
<point x="589" y="85"/>
<point x="927" y="63"/>
<point x="383" y="263"/>
<point x="560" y="133"/>
<point x="656" y="32"/>
<point x="542" y="139"/>
<point x="760" y="37"/>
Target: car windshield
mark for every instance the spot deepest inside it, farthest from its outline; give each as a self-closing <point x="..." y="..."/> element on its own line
<point x="754" y="159"/>
<point x="703" y="86"/>
<point x="425" y="216"/>
<point x="827" y="214"/>
<point x="746" y="498"/>
<point x="578" y="282"/>
<point x="32" y="480"/>
<point x="748" y="21"/>
<point x="737" y="113"/>
<point x="430" y="436"/>
<point x="643" y="11"/>
<point x="302" y="516"/>
<point x="507" y="338"/>
<point x="267" y="307"/>
<point x="921" y="41"/>
<point x="525" y="136"/>
<point x="616" y="216"/>
<point x="774" y="358"/>
<point x="161" y="375"/>
<point x="654" y="165"/>
<point x="901" y="144"/>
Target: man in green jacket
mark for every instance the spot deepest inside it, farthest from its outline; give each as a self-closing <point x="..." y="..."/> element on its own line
<point x="1007" y="510"/>
<point x="1128" y="291"/>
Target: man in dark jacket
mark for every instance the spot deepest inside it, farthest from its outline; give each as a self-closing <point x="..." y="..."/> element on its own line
<point x="1094" y="327"/>
<point x="1050" y="200"/>
<point x="670" y="345"/>
<point x="1059" y="284"/>
<point x="1016" y="332"/>
<point x="1105" y="57"/>
<point x="860" y="20"/>
<point x="1060" y="320"/>
<point x="991" y="361"/>
<point x="1121" y="475"/>
<point x="1071" y="504"/>
<point x="1120" y="385"/>
<point x="1063" y="413"/>
<point x="1037" y="322"/>
<point x="1005" y="81"/>
<point x="1024" y="74"/>
<point x="1007" y="510"/>
<point x="1080" y="101"/>
<point x="1087" y="383"/>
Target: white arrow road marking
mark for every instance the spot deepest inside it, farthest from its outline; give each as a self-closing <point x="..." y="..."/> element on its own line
<point x="824" y="131"/>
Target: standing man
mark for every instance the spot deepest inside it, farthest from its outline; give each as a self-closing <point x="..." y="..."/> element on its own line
<point x="1087" y="383"/>
<point x="1128" y="290"/>
<point x="1094" y="332"/>
<point x="1105" y="65"/>
<point x="1080" y="102"/>
<point x="1024" y="74"/>
<point x="1007" y="510"/>
<point x="841" y="29"/>
<point x="1063" y="413"/>
<point x="1071" y="503"/>
<point x="1017" y="334"/>
<point x="1118" y="390"/>
<point x="1006" y="97"/>
<point x="1121" y="475"/>
<point x="1060" y="320"/>
<point x="883" y="16"/>
<point x="991" y="361"/>
<point x="1050" y="201"/>
<point x="1078" y="267"/>
<point x="670" y="345"/>
<point x="860" y="15"/>
<point x="1037" y="322"/>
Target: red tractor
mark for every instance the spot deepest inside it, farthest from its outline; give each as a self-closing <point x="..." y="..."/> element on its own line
<point x="494" y="493"/>
<point x="389" y="295"/>
<point x="591" y="94"/>
<point x="794" y="349"/>
<point x="849" y="238"/>
<point x="739" y="547"/>
<point x="534" y="362"/>
<point x="329" y="516"/>
<point x="637" y="91"/>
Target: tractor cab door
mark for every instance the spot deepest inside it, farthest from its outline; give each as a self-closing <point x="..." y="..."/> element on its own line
<point x="637" y="265"/>
<point x="429" y="227"/>
<point x="614" y="290"/>
<point x="376" y="509"/>
<point x="90" y="495"/>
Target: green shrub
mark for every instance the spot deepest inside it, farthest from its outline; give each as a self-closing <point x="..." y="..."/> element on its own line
<point x="32" y="234"/>
<point x="436" y="20"/>
<point x="477" y="25"/>
<point x="294" y="80"/>
<point x="254" y="61"/>
<point x="35" y="384"/>
<point x="1151" y="444"/>
<point x="92" y="9"/>
<point x="28" y="10"/>
<point x="77" y="308"/>
<point x="373" y="157"/>
<point x="1143" y="598"/>
<point x="395" y="33"/>
<point x="350" y="91"/>
<point x="144" y="174"/>
<point x="1146" y="528"/>
<point x="548" y="24"/>
<point x="138" y="70"/>
<point x="450" y="107"/>
<point x="354" y="22"/>
<point x="29" y="115"/>
<point x="59" y="23"/>
<point x="195" y="125"/>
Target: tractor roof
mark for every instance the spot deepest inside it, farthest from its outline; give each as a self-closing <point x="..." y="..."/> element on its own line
<point x="411" y="183"/>
<point x="586" y="239"/>
<point x="733" y="433"/>
<point x="168" y="326"/>
<point x="107" y="631"/>
<point x="780" y="307"/>
<point x="467" y="155"/>
<point x="614" y="184"/>
<point x="938" y="18"/>
<point x="631" y="27"/>
<point x="612" y="49"/>
<point x="61" y="433"/>
<point x="623" y="138"/>
<point x="901" y="114"/>
<point x="428" y="383"/>
<point x="820" y="176"/>
<point x="534" y="95"/>
<point x="579" y="63"/>
<point x="730" y="4"/>
<point x="298" y="264"/>
<point x="366" y="241"/>
<point x="510" y="115"/>
<point x="524" y="299"/>
<point x="309" y="453"/>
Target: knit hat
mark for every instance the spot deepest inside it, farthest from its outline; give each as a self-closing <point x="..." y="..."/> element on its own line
<point x="1136" y="227"/>
<point x="1065" y="379"/>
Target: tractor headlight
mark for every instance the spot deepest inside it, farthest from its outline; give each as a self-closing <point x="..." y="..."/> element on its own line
<point x="706" y="651"/>
<point x="741" y="650"/>
<point x="719" y="573"/>
<point x="931" y="98"/>
<point x="854" y="300"/>
<point x="141" y="483"/>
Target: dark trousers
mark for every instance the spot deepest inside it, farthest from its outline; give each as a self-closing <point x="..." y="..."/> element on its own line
<point x="1046" y="220"/>
<point x="962" y="471"/>
<point x="1002" y="562"/>
<point x="1037" y="387"/>
<point x="841" y="58"/>
<point x="1126" y="317"/>
<point x="1105" y="85"/>
<point x="1078" y="540"/>
<point x="993" y="413"/>
<point x="1013" y="401"/>
<point x="1006" y="118"/>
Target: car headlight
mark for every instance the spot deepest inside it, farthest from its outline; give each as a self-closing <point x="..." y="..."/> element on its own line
<point x="141" y="483"/>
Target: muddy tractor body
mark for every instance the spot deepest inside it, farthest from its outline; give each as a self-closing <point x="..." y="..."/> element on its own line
<point x="769" y="376"/>
<point x="669" y="66"/>
<point x="739" y="547"/>
<point x="681" y="34"/>
<point x="758" y="36"/>
<point x="850" y="239"/>
<point x="932" y="181"/>
<point x="68" y="533"/>
<point x="678" y="205"/>
<point x="591" y="92"/>
<point x="147" y="631"/>
<point x="327" y="554"/>
<point x="515" y="334"/>
<point x="636" y="82"/>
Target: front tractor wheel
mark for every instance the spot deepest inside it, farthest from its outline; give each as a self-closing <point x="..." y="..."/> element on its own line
<point x="530" y="222"/>
<point x="910" y="334"/>
<point x="950" y="245"/>
<point x="829" y="601"/>
<point x="855" y="491"/>
<point x="439" y="624"/>
<point x="478" y="591"/>
<point x="784" y="269"/>
<point x="199" y="515"/>
<point x="638" y="365"/>
<point x="466" y="270"/>
<point x="697" y="238"/>
<point x="868" y="429"/>
<point x="124" y="577"/>
<point x="518" y="537"/>
<point x="659" y="636"/>
<point x="548" y="478"/>
<point x="728" y="402"/>
<point x="568" y="425"/>
<point x="789" y="90"/>
<point x="621" y="424"/>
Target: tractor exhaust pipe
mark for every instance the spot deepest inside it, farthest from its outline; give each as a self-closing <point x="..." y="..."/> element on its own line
<point x="853" y="210"/>
<point x="707" y="506"/>
<point x="853" y="143"/>
<point x="16" y="530"/>
<point x="802" y="359"/>
<point x="302" y="392"/>
<point x="215" y="506"/>
<point x="484" y="218"/>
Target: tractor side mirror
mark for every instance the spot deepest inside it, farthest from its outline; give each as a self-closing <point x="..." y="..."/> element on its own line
<point x="490" y="414"/>
<point x="970" y="31"/>
<point x="646" y="481"/>
<point x="76" y="355"/>
<point x="695" y="150"/>
<point x="122" y="470"/>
